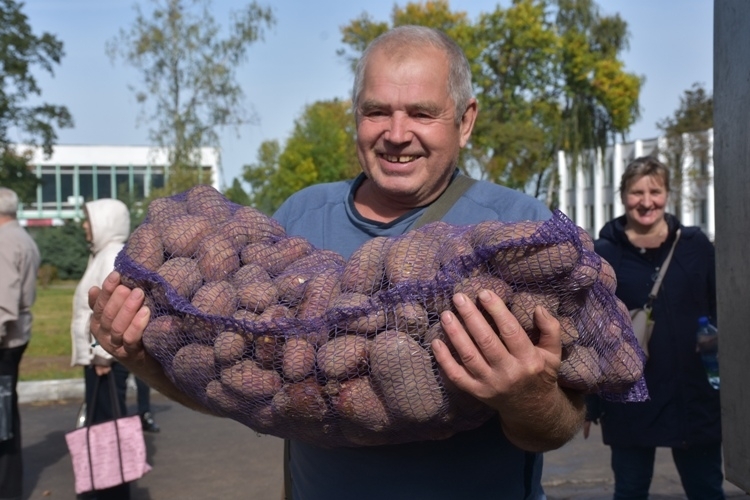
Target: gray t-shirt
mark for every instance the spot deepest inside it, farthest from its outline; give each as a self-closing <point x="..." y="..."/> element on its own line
<point x="476" y="464"/>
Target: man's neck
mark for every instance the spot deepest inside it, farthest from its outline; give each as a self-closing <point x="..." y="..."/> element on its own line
<point x="4" y="219"/>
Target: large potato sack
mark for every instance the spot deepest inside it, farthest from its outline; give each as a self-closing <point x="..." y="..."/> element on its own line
<point x="295" y="341"/>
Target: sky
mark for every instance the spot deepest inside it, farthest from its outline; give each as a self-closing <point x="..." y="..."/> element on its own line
<point x="671" y="45"/>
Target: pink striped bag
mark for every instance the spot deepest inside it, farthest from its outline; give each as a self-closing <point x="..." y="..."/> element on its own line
<point x="107" y="454"/>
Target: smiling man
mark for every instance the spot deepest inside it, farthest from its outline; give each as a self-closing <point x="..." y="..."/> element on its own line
<point x="415" y="110"/>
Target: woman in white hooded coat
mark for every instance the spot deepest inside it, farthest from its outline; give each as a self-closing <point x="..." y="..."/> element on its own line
<point x="107" y="227"/>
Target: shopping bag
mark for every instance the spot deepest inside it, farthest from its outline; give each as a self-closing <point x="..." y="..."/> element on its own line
<point x="6" y="407"/>
<point x="643" y="326"/>
<point x="108" y="453"/>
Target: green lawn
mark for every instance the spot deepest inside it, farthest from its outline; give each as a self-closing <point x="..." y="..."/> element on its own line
<point x="48" y="354"/>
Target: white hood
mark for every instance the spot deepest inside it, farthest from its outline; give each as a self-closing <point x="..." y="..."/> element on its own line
<point x="110" y="222"/>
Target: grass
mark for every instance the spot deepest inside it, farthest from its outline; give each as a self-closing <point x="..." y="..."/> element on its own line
<point x="48" y="354"/>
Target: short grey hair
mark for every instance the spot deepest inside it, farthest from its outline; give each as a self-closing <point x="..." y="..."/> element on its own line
<point x="8" y="202"/>
<point x="411" y="36"/>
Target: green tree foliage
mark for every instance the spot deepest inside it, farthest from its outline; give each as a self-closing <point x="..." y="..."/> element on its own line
<point x="237" y="194"/>
<point x="547" y="77"/>
<point x="189" y="87"/>
<point x="64" y="248"/>
<point x="687" y="145"/>
<point x="320" y="149"/>
<point x="22" y="53"/>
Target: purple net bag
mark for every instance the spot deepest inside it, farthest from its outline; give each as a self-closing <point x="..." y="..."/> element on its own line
<point x="297" y="342"/>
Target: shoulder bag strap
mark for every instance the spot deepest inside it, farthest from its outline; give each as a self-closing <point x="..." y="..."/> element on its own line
<point x="447" y="199"/>
<point x="663" y="271"/>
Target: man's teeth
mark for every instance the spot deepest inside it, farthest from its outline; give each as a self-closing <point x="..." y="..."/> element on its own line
<point x="399" y="159"/>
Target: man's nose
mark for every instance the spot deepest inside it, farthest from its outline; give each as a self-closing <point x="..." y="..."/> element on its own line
<point x="399" y="130"/>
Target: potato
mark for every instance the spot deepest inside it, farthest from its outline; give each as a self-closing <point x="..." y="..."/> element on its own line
<point x="472" y="285"/>
<point x="408" y="317"/>
<point x="571" y="302"/>
<point x="182" y="274"/>
<point x="623" y="366"/>
<point x="412" y="256"/>
<point x="217" y="298"/>
<point x="343" y="357"/>
<point x="568" y="331"/>
<point x="301" y="400"/>
<point x="246" y="316"/>
<point x="145" y="247"/>
<point x="456" y="250"/>
<point x="207" y="201"/>
<point x="607" y="276"/>
<point x="534" y="264"/>
<point x="275" y="257"/>
<point x="580" y="368"/>
<point x="260" y="226"/>
<point x="163" y="337"/>
<point x="320" y="291"/>
<point x="274" y="313"/>
<point x="365" y="269"/>
<point x="523" y="305"/>
<point x="161" y="209"/>
<point x="586" y="241"/>
<point x="182" y="234"/>
<point x="298" y="359"/>
<point x="402" y="372"/>
<point x="357" y="401"/>
<point x="292" y="281"/>
<point x="255" y="290"/>
<point x="493" y="233"/>
<point x="229" y="347"/>
<point x="251" y="381"/>
<point x="193" y="367"/>
<point x="267" y="349"/>
<point x="217" y="258"/>
<point x="221" y="401"/>
<point x="584" y="274"/>
<point x="357" y="313"/>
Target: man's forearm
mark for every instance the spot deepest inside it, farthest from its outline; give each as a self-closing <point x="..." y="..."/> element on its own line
<point x="554" y="424"/>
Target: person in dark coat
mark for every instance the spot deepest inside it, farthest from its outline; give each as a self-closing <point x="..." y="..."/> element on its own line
<point x="683" y="412"/>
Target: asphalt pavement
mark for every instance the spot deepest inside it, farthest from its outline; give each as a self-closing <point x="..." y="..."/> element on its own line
<point x="200" y="457"/>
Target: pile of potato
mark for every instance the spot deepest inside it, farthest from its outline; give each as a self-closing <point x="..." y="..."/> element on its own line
<point x="295" y="341"/>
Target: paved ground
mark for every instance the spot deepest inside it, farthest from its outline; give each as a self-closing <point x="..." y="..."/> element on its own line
<point x="198" y="457"/>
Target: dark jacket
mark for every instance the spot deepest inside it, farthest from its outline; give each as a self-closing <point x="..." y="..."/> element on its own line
<point x="683" y="409"/>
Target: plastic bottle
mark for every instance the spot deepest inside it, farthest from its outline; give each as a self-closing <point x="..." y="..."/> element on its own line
<point x="708" y="347"/>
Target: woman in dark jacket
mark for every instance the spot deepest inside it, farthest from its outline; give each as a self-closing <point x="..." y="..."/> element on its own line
<point x="683" y="412"/>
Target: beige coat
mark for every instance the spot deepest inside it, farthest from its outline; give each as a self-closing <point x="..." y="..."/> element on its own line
<point x="19" y="263"/>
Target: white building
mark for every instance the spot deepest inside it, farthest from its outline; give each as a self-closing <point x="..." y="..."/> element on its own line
<point x="75" y="174"/>
<point x="589" y="194"/>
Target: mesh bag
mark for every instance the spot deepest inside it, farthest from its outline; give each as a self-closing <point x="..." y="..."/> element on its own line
<point x="300" y="343"/>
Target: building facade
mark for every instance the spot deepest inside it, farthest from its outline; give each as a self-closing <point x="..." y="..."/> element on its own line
<point x="73" y="175"/>
<point x="589" y="192"/>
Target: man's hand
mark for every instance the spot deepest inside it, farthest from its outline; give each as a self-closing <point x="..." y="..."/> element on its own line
<point x="509" y="373"/>
<point x="119" y="319"/>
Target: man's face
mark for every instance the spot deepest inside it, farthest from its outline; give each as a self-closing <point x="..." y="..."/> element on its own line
<point x="407" y="138"/>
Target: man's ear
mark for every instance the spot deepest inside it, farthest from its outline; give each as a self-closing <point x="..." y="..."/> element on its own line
<point x="467" y="122"/>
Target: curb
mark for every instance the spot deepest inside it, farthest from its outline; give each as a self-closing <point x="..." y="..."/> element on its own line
<point x="55" y="390"/>
<point x="50" y="390"/>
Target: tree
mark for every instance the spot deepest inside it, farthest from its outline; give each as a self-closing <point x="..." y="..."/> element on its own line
<point x="189" y="87"/>
<point x="21" y="51"/>
<point x="687" y="145"/>
<point x="320" y="149"/>
<point x="236" y="194"/>
<point x="546" y="76"/>
<point x="64" y="248"/>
